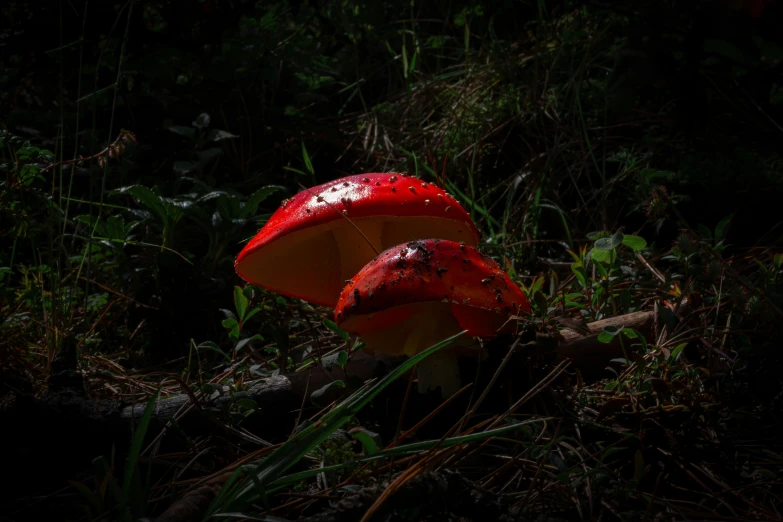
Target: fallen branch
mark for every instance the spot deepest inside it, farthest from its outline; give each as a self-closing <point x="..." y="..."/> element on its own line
<point x="272" y="391"/>
<point x="589" y="354"/>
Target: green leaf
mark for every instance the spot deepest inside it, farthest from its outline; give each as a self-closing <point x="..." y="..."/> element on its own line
<point x="148" y="198"/>
<point x="638" y="464"/>
<point x="319" y="393"/>
<point x="369" y="440"/>
<point x="307" y="162"/>
<point x="250" y="314"/>
<point x="721" y="228"/>
<point x="183" y="167"/>
<point x="609" y="243"/>
<point x="209" y="345"/>
<point x="608" y="333"/>
<point x="240" y="303"/>
<point x="538" y="284"/>
<point x="580" y="273"/>
<point x="236" y="497"/>
<point x="635" y="243"/>
<point x="218" y="135"/>
<point x="241" y="344"/>
<point x="251" y="205"/>
<point x="634" y="334"/>
<point x="205" y="156"/>
<point x="677" y="351"/>
<point x="600" y="256"/>
<point x="132" y="463"/>
<point x="605" y="337"/>
<point x="599" y="268"/>
<point x="541" y="302"/>
<point x="725" y="49"/>
<point x="246" y="404"/>
<point x="342" y="358"/>
<point x="202" y="121"/>
<point x="408" y="449"/>
<point x="331" y="325"/>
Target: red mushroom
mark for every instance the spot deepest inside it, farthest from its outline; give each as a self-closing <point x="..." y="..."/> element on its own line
<point x="322" y="236"/>
<point x="419" y="293"/>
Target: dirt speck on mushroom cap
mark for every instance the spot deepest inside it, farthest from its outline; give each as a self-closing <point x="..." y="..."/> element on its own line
<point x="434" y="270"/>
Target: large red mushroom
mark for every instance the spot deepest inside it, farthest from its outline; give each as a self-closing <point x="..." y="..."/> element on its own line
<point x="416" y="294"/>
<point x="322" y="236"/>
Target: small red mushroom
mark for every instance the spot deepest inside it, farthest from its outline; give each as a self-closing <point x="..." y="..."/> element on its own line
<point x="416" y="294"/>
<point x="322" y="236"/>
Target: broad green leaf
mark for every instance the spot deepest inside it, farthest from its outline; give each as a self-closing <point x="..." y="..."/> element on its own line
<point x="635" y="243"/>
<point x="369" y="440"/>
<point x="250" y="314"/>
<point x="183" y="167"/>
<point x="609" y="243"/>
<point x="245" y="403"/>
<point x="240" y="302"/>
<point x="241" y="344"/>
<point x="205" y="156"/>
<point x="218" y="135"/>
<point x="608" y="333"/>
<point x="148" y="198"/>
<point x="677" y="351"/>
<point x="202" y="122"/>
<point x="342" y="358"/>
<point x="251" y="205"/>
<point x="633" y="334"/>
<point x="600" y="256"/>
<point x="605" y="337"/>
<point x="319" y="393"/>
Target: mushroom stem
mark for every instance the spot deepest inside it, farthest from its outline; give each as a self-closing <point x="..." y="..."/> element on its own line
<point x="441" y="369"/>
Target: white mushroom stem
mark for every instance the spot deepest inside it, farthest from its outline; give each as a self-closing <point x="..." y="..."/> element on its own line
<point x="428" y="324"/>
<point x="441" y="369"/>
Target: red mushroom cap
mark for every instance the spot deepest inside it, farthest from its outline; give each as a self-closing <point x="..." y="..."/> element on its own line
<point x="416" y="294"/>
<point x="310" y="246"/>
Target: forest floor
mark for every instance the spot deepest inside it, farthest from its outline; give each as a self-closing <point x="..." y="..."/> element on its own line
<point x="622" y="165"/>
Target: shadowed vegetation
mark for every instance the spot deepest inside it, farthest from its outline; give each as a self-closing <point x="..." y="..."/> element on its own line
<point x="618" y="158"/>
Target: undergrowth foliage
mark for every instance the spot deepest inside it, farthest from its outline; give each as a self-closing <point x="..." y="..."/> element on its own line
<point x="617" y="159"/>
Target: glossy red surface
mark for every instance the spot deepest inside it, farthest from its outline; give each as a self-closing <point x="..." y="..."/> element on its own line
<point x="480" y="292"/>
<point x="360" y="195"/>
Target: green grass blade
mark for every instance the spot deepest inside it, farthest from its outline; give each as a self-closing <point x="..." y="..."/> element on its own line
<point x="401" y="451"/>
<point x="305" y="441"/>
<point x="131" y="465"/>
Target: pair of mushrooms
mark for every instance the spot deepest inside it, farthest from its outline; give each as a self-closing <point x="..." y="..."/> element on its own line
<point x="365" y="245"/>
